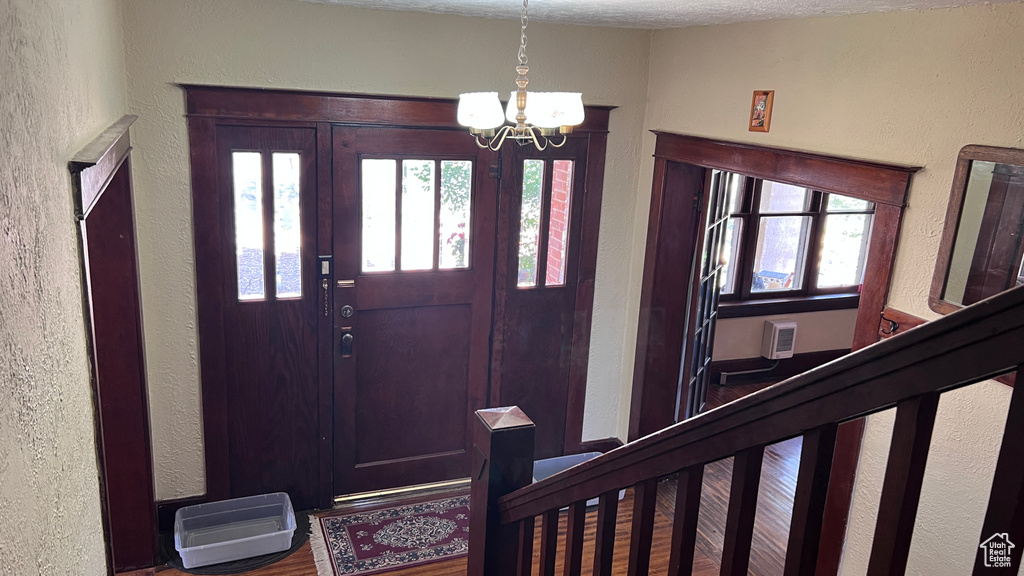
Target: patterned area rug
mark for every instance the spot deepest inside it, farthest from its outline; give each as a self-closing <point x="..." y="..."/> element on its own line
<point x="369" y="542"/>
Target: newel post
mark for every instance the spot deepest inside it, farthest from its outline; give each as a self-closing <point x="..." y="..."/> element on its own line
<point x="502" y="463"/>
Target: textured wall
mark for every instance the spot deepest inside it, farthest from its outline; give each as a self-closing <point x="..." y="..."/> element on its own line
<point x="61" y="84"/>
<point x="815" y="331"/>
<point x="906" y="87"/>
<point x="278" y="43"/>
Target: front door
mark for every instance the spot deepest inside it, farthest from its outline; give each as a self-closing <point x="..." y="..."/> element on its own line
<point x="414" y="216"/>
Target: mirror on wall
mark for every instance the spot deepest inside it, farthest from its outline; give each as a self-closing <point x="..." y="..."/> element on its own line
<point x="982" y="249"/>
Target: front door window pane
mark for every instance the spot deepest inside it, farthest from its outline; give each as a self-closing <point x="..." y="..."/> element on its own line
<point x="417" y="214"/>
<point x="378" y="203"/>
<point x="780" y="254"/>
<point x="287" y="225"/>
<point x="453" y="237"/>
<point x="843" y="250"/>
<point x="778" y="197"/>
<point x="558" y="222"/>
<point x="529" y="221"/>
<point x="247" y="176"/>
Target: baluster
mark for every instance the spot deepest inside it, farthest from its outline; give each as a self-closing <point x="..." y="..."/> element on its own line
<point x="684" y="521"/>
<point x="901" y="488"/>
<point x="502" y="462"/>
<point x="574" y="538"/>
<point x="604" y="547"/>
<point x="739" y="524"/>
<point x="809" y="500"/>
<point x="525" y="567"/>
<point x="1006" y="501"/>
<point x="548" y="542"/>
<point x="644" y="498"/>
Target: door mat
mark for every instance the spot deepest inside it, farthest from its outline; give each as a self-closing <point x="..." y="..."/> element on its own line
<point x="370" y="542"/>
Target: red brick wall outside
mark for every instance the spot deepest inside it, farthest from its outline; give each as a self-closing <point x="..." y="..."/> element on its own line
<point x="561" y="190"/>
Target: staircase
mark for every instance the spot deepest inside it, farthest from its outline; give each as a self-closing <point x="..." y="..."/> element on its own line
<point x="908" y="372"/>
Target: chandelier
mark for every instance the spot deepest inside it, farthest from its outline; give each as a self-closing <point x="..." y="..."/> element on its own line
<point x="549" y="113"/>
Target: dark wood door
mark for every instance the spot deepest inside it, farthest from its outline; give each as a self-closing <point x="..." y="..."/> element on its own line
<point x="269" y="304"/>
<point x="705" y="290"/>
<point x="414" y="216"/>
<point x="541" y="227"/>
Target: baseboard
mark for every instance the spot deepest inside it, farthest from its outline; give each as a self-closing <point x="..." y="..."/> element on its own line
<point x="165" y="510"/>
<point x="787" y="367"/>
<point x="601" y="445"/>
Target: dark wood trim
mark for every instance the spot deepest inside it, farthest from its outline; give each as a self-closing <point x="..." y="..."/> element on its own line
<point x="875" y="181"/>
<point x="672" y="236"/>
<point x="796" y="305"/>
<point x="167" y="508"/>
<point x="584" y="306"/>
<point x="242" y="103"/>
<point x="603" y="445"/>
<point x="954" y="210"/>
<point x="906" y="321"/>
<point x="209" y="280"/>
<point x="942" y="355"/>
<point x="325" y="322"/>
<point x="93" y="167"/>
<point x="788" y="367"/>
<point x="107" y="241"/>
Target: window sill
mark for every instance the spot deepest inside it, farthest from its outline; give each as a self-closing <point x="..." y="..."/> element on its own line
<point x="790" y="305"/>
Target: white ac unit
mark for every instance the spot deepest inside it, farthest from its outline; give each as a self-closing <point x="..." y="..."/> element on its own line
<point x="779" y="339"/>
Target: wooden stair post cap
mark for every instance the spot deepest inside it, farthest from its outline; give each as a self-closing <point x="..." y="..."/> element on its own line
<point x="504" y="418"/>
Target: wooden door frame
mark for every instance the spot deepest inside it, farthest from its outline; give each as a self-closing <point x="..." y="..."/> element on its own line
<point x="680" y="158"/>
<point x="127" y="501"/>
<point x="207" y="107"/>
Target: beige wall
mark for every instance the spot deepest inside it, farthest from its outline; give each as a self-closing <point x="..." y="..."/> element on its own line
<point x="61" y="84"/>
<point x="908" y="87"/>
<point x="278" y="43"/>
<point x="737" y="338"/>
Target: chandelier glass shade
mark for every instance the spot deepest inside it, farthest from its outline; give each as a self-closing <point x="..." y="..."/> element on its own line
<point x="535" y="117"/>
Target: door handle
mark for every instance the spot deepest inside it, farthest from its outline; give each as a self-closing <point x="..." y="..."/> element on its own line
<point x="347" y="340"/>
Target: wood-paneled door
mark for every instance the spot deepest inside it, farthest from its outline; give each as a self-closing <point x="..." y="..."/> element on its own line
<point x="541" y="221"/>
<point x="269" y="305"/>
<point x="414" y="218"/>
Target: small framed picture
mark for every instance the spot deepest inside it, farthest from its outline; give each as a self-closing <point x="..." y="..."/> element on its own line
<point x="761" y="110"/>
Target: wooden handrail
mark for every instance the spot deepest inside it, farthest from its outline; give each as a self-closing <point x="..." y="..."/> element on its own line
<point x="970" y="345"/>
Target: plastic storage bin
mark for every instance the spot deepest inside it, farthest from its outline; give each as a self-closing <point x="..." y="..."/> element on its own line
<point x="229" y="530"/>
<point x="551" y="466"/>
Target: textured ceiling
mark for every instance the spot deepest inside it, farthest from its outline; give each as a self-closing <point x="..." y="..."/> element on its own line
<point x="652" y="13"/>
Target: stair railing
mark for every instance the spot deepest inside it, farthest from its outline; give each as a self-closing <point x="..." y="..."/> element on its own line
<point x="908" y="372"/>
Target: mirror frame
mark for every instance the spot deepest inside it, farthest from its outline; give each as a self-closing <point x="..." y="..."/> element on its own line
<point x="967" y="155"/>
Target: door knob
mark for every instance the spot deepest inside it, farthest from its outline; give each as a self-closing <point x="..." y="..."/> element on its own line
<point x="346" y="344"/>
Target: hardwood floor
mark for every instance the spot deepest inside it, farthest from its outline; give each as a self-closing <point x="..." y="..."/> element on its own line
<point x="771" y="527"/>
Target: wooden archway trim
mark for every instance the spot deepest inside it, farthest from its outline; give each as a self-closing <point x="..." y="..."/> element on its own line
<point x="680" y="170"/>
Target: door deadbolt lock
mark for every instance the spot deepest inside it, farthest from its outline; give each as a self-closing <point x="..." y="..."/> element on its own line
<point x="347" y="311"/>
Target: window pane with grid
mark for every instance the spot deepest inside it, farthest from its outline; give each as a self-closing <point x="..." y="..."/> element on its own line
<point x="529" y="221"/>
<point x="453" y="235"/>
<point x="247" y="176"/>
<point x="779" y="198"/>
<point x="378" y="199"/>
<point x="780" y="253"/>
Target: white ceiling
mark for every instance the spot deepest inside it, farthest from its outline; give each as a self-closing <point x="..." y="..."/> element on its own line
<point x="651" y="14"/>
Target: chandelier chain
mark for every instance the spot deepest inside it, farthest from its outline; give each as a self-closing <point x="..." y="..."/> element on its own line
<point x="524" y="20"/>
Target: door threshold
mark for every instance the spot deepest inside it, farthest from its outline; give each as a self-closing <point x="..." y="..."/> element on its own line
<point x="403" y="491"/>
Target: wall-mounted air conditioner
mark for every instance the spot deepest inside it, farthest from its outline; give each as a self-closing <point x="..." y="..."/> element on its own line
<point x="779" y="339"/>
